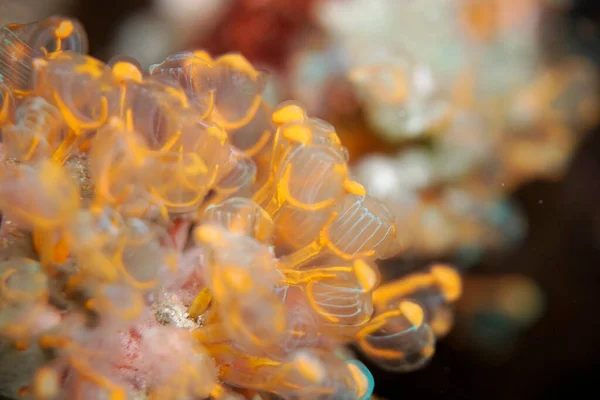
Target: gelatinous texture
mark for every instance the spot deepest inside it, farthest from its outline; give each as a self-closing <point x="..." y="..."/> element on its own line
<point x="237" y="90"/>
<point x="238" y="180"/>
<point x="241" y="216"/>
<point x="340" y="380"/>
<point x="118" y="157"/>
<point x="53" y="34"/>
<point x="435" y="290"/>
<point x="131" y="253"/>
<point x="254" y="137"/>
<point x="38" y="130"/>
<point x="220" y="242"/>
<point x="16" y="61"/>
<point x="398" y="339"/>
<point x="194" y="74"/>
<point x="341" y="304"/>
<point x="308" y="179"/>
<point x="22" y="188"/>
<point x="73" y="83"/>
<point x="149" y="107"/>
<point x="179" y="180"/>
<point x="298" y="228"/>
<point x="240" y="268"/>
<point x="361" y="227"/>
<point x="24" y="312"/>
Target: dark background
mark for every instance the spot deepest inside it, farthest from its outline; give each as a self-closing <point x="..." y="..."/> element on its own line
<point x="559" y="357"/>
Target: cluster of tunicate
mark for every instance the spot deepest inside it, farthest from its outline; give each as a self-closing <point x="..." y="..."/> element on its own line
<point x="464" y="92"/>
<point x="222" y="250"/>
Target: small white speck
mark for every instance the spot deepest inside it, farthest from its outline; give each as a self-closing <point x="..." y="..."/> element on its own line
<point x="540" y="201"/>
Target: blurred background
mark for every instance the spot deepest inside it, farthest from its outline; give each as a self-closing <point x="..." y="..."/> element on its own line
<point x="527" y="231"/>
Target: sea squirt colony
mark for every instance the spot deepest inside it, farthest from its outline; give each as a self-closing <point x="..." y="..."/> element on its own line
<point x="220" y="247"/>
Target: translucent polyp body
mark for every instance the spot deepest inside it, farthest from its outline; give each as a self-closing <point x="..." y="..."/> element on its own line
<point x="237" y="87"/>
<point x="308" y="152"/>
<point x="228" y="89"/>
<point x="398" y="339"/>
<point x="96" y="228"/>
<point x="255" y="136"/>
<point x="434" y="290"/>
<point x="309" y="178"/>
<point x="96" y="237"/>
<point x="37" y="131"/>
<point x="134" y="257"/>
<point x="242" y="276"/>
<point x="341" y="303"/>
<point x="186" y="159"/>
<point x="302" y="326"/>
<point x="237" y="264"/>
<point x="39" y="196"/>
<point x="315" y="374"/>
<point x="255" y="322"/>
<point x="299" y="375"/>
<point x="305" y="374"/>
<point x="306" y="131"/>
<point x="147" y="250"/>
<point x="296" y="228"/>
<point x="193" y="74"/>
<point x="16" y="61"/>
<point x="353" y="381"/>
<point x="297" y="132"/>
<point x="152" y="108"/>
<point x="238" y="180"/>
<point x="210" y="142"/>
<point x="23" y="297"/>
<point x="22" y="281"/>
<point x="54" y="34"/>
<point x="179" y="179"/>
<point x="75" y="85"/>
<point x="243" y="370"/>
<point x="118" y="158"/>
<point x="439" y="314"/>
<point x="361" y="228"/>
<point x="241" y="216"/>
